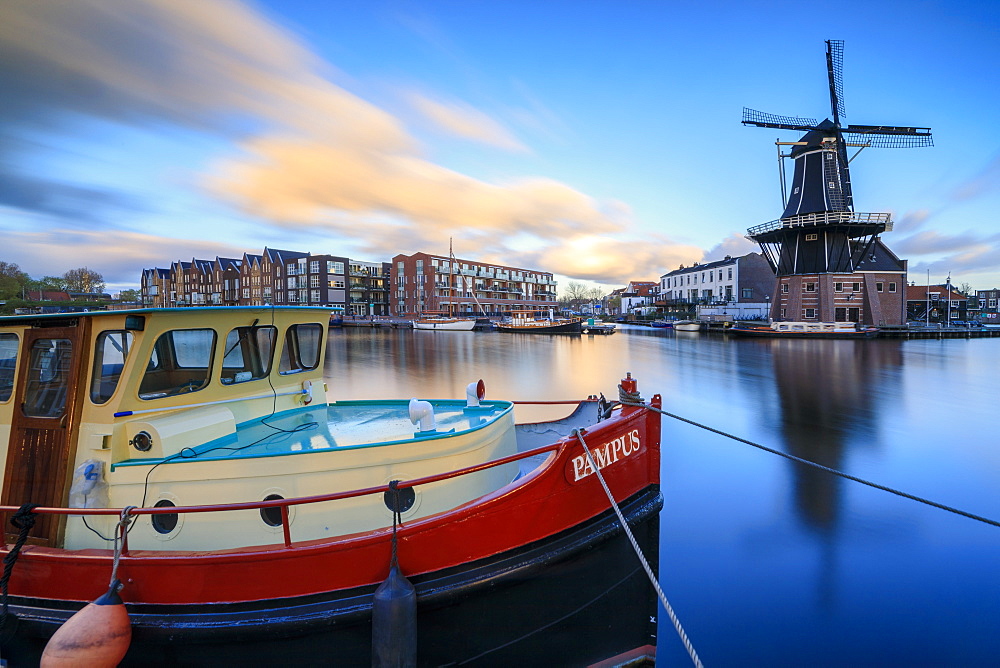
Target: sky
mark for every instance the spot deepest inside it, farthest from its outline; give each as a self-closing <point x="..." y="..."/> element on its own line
<point x="596" y="139"/>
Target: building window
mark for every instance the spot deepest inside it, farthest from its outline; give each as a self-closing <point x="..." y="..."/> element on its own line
<point x="314" y="266"/>
<point x="812" y="237"/>
<point x="809" y="287"/>
<point x="730" y="277"/>
<point x="993" y="303"/>
<point x="336" y="284"/>
<point x="747" y="293"/>
<point x="892" y="287"/>
<point x="810" y="314"/>
<point x="878" y="287"/>
<point x="314" y="296"/>
<point x="784" y="288"/>
<point x="857" y="287"/>
<point x="782" y="313"/>
<point x="838" y="287"/>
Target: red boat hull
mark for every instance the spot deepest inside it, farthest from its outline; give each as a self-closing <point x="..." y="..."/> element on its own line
<point x="551" y="537"/>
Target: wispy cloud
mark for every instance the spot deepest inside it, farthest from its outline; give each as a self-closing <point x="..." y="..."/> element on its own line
<point x="463" y="120"/>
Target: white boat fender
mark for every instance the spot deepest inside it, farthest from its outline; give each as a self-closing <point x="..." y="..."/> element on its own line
<point x="394" y="609"/>
<point x="422" y="412"/>
<point x="96" y="636"/>
<point x="474" y="393"/>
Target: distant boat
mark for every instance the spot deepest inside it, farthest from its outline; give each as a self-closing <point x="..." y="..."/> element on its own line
<point x="661" y="323"/>
<point x="594" y="327"/>
<point x="431" y="320"/>
<point x="808" y="330"/>
<point x="687" y="326"/>
<point x="446" y="321"/>
<point x="532" y="322"/>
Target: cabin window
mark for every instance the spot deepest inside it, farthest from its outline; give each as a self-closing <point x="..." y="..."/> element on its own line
<point x="110" y="352"/>
<point x="302" y="348"/>
<point x="181" y="362"/>
<point x="249" y="351"/>
<point x="48" y="378"/>
<point x="8" y="364"/>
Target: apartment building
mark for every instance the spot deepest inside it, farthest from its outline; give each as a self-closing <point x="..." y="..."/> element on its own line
<point x="424" y="282"/>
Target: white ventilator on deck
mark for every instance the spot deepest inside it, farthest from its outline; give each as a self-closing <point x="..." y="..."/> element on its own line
<point x="422" y="412"/>
<point x="474" y="393"/>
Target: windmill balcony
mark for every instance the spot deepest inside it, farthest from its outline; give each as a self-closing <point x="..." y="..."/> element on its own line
<point x="824" y="218"/>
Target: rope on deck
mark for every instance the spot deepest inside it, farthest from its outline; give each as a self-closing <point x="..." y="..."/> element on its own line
<point x="846" y="476"/>
<point x="638" y="552"/>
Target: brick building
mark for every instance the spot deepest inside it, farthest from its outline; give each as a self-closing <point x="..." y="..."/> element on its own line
<point x="423" y="282"/>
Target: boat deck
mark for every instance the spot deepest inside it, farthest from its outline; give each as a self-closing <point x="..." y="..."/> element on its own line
<point x="340" y="425"/>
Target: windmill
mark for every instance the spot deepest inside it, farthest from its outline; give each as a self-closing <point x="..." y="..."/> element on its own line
<point x="821" y="200"/>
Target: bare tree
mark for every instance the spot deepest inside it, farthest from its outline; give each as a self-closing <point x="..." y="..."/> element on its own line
<point x="83" y="280"/>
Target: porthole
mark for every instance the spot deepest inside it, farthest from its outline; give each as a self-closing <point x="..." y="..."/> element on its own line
<point x="142" y="441"/>
<point x="272" y="515"/>
<point x="166" y="522"/>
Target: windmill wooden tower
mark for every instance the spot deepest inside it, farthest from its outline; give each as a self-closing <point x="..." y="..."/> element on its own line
<point x="828" y="258"/>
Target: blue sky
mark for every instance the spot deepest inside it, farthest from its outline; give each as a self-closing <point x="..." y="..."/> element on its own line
<point x="598" y="140"/>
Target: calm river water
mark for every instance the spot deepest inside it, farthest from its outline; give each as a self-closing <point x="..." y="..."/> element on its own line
<point x="766" y="561"/>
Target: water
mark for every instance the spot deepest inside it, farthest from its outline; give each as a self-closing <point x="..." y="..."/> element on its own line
<point x="765" y="561"/>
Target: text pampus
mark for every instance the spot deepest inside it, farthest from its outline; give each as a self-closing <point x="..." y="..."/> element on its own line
<point x="607" y="454"/>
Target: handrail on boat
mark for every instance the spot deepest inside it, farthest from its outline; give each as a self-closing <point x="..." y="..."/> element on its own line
<point x="284" y="504"/>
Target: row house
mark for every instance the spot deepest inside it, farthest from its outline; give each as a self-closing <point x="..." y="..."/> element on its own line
<point x="273" y="277"/>
<point x="423" y="282"/>
<point x="748" y="278"/>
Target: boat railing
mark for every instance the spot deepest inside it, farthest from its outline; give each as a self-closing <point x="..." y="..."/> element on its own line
<point x="284" y="504"/>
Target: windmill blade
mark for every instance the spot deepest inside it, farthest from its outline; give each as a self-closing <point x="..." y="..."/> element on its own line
<point x="888" y="136"/>
<point x="762" y="120"/>
<point x="835" y="72"/>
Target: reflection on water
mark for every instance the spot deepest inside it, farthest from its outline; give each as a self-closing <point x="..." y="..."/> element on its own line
<point x="768" y="562"/>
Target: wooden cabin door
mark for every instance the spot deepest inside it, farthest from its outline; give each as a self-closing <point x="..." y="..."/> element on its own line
<point x="44" y="424"/>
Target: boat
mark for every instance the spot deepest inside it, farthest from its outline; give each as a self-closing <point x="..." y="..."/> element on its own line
<point x="687" y="326"/>
<point x="337" y="317"/>
<point x="661" y="324"/>
<point x="446" y="320"/>
<point x="808" y="330"/>
<point x="440" y="321"/>
<point x="182" y="469"/>
<point x="535" y="322"/>
<point x="593" y="326"/>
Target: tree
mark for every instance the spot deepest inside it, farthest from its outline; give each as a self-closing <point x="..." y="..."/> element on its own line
<point x="12" y="280"/>
<point x="964" y="288"/>
<point x="50" y="284"/>
<point x="128" y="296"/>
<point x="83" y="280"/>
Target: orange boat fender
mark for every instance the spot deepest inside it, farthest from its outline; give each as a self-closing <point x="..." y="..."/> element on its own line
<point x="96" y="636"/>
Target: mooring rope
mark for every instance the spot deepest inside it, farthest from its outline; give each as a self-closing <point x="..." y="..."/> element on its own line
<point x="846" y="476"/>
<point x="638" y="552"/>
<point x="121" y="531"/>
